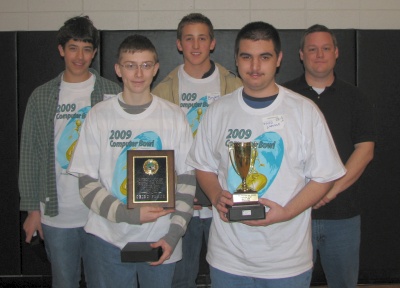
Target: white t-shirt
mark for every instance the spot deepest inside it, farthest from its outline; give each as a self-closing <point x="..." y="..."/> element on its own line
<point x="195" y="95"/>
<point x="73" y="105"/>
<point x="101" y="153"/>
<point x="294" y="145"/>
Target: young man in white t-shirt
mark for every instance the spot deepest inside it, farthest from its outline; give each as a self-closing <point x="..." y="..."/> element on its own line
<point x="194" y="85"/>
<point x="54" y="116"/>
<point x="295" y="166"/>
<point x="134" y="119"/>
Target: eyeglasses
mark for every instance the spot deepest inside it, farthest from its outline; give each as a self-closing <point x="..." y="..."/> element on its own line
<point x="133" y="66"/>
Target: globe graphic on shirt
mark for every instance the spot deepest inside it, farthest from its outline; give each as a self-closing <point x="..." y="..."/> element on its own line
<point x="196" y="113"/>
<point x="69" y="137"/>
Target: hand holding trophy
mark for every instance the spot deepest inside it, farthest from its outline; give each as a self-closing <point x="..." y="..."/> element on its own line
<point x="245" y="199"/>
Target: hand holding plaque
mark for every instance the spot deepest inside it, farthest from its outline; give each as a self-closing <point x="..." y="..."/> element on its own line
<point x="151" y="182"/>
<point x="245" y="199"/>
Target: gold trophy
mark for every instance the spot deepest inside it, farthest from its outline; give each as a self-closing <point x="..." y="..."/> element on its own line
<point x="245" y="199"/>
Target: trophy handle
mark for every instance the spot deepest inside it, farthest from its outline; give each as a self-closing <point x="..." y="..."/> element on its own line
<point x="232" y="157"/>
<point x="253" y="156"/>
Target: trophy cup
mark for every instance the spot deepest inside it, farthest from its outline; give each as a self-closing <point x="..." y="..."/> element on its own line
<point x="245" y="199"/>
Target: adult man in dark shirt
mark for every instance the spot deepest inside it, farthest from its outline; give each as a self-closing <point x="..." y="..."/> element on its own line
<point x="336" y="218"/>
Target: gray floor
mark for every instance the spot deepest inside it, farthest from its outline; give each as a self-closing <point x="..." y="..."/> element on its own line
<point x="369" y="286"/>
<point x="203" y="281"/>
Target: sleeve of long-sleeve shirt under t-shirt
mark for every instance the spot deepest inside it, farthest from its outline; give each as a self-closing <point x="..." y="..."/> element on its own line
<point x="184" y="196"/>
<point x="98" y="199"/>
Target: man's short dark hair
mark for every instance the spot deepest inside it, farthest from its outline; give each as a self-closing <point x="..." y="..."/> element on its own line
<point x="194" y="18"/>
<point x="137" y="43"/>
<point x="259" y="31"/>
<point x="316" y="28"/>
<point x="79" y="28"/>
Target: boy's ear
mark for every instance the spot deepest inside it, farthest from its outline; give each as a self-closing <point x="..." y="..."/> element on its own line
<point x="156" y="66"/>
<point x="179" y="44"/>
<point x="117" y="70"/>
<point x="213" y="43"/>
<point x="61" y="50"/>
<point x="280" y="56"/>
<point x="94" y="53"/>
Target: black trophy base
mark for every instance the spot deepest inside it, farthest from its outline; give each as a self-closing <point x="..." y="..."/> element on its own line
<point x="140" y="252"/>
<point x="246" y="212"/>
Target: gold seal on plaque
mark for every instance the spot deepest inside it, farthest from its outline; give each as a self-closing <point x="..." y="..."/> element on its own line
<point x="150" y="167"/>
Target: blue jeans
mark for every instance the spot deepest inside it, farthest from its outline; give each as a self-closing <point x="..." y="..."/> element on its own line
<point x="111" y="272"/>
<point x="220" y="279"/>
<point x="65" y="247"/>
<point x="338" y="243"/>
<point x="186" y="270"/>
